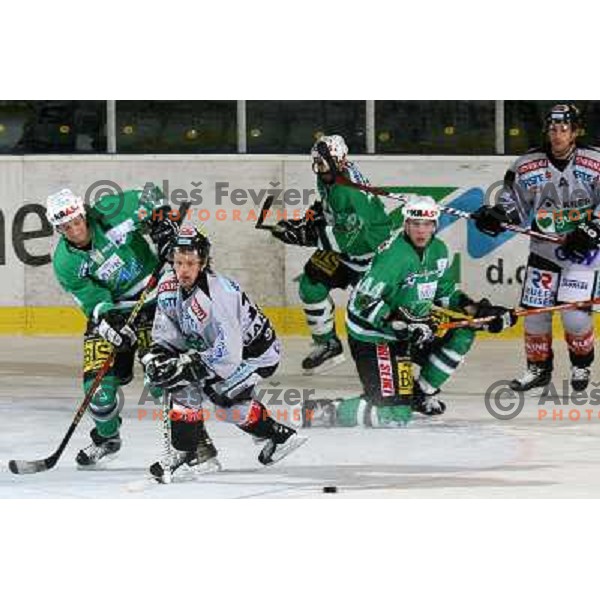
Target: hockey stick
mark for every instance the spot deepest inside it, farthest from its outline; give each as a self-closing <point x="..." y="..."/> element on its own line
<point x="27" y="467"/>
<point x="546" y="237"/>
<point x="264" y="211"/>
<point x="524" y="312"/>
<point x="161" y="470"/>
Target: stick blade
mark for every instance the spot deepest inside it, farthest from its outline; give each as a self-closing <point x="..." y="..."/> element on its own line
<point x="28" y="467"/>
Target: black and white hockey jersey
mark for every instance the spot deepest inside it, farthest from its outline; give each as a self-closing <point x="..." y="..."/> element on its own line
<point x="232" y="335"/>
<point x="555" y="195"/>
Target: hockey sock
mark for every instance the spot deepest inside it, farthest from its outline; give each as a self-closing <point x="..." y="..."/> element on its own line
<point x="319" y="309"/>
<point x="581" y="348"/>
<point x="444" y="360"/>
<point x="104" y="406"/>
<point x="186" y="427"/>
<point x="538" y="347"/>
<point x="350" y="412"/>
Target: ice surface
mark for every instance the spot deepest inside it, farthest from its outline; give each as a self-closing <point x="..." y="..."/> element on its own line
<point x="465" y="453"/>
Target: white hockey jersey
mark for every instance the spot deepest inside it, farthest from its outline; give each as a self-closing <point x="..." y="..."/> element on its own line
<point x="556" y="196"/>
<point x="218" y="320"/>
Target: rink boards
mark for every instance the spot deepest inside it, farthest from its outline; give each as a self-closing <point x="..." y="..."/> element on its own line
<point x="227" y="192"/>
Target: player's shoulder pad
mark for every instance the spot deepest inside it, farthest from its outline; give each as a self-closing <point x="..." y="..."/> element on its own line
<point x="106" y="203"/>
<point x="65" y="255"/>
<point x="60" y="250"/>
<point x="69" y="265"/>
<point x="348" y="192"/>
<point x="587" y="159"/>
<point x="534" y="159"/>
<point x="588" y="150"/>
<point x="228" y="284"/>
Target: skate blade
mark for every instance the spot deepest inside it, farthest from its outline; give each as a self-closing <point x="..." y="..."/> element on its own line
<point x="286" y="449"/>
<point x="186" y="473"/>
<point x="539" y="392"/>
<point x="212" y="465"/>
<point x="326" y="366"/>
<point x="183" y="474"/>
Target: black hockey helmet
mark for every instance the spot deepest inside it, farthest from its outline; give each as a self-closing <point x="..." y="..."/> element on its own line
<point x="192" y="239"/>
<point x="563" y="114"/>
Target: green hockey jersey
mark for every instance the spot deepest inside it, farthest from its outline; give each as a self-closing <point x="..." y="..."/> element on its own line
<point x="357" y="222"/>
<point x="399" y="277"/>
<point x="115" y="268"/>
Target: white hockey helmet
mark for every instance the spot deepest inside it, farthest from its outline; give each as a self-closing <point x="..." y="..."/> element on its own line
<point x="336" y="145"/>
<point x="424" y="208"/>
<point x="64" y="206"/>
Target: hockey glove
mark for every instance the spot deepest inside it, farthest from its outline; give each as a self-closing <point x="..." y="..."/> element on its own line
<point x="173" y="371"/>
<point x="163" y="232"/>
<point x="489" y="219"/>
<point x="113" y="329"/>
<point x="503" y="317"/>
<point x="416" y="330"/>
<point x="300" y="232"/>
<point x="583" y="240"/>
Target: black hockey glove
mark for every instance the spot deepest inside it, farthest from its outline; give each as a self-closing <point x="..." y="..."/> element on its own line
<point x="416" y="330"/>
<point x="173" y="371"/>
<point x="503" y="317"/>
<point x="584" y="239"/>
<point x="113" y="329"/>
<point x="489" y="219"/>
<point x="163" y="232"/>
<point x="300" y="232"/>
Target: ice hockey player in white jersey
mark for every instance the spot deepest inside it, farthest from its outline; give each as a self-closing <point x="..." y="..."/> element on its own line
<point x="555" y="186"/>
<point x="211" y="342"/>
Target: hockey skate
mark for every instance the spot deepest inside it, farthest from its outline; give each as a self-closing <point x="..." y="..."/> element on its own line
<point x="580" y="378"/>
<point x="282" y="442"/>
<point x="324" y="356"/>
<point x="537" y="377"/>
<point x="100" y="448"/>
<point x="427" y="404"/>
<point x="189" y="463"/>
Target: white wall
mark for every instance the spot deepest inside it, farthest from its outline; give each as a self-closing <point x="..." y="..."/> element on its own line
<point x="259" y="262"/>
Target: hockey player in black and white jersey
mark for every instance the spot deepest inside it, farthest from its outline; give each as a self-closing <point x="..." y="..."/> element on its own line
<point x="211" y="342"/>
<point x="557" y="187"/>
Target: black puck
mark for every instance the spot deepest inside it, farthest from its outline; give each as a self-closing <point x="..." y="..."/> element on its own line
<point x="330" y="489"/>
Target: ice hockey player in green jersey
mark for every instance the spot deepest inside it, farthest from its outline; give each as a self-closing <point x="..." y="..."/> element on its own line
<point x="346" y="226"/>
<point x="104" y="261"/>
<point x="392" y="323"/>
